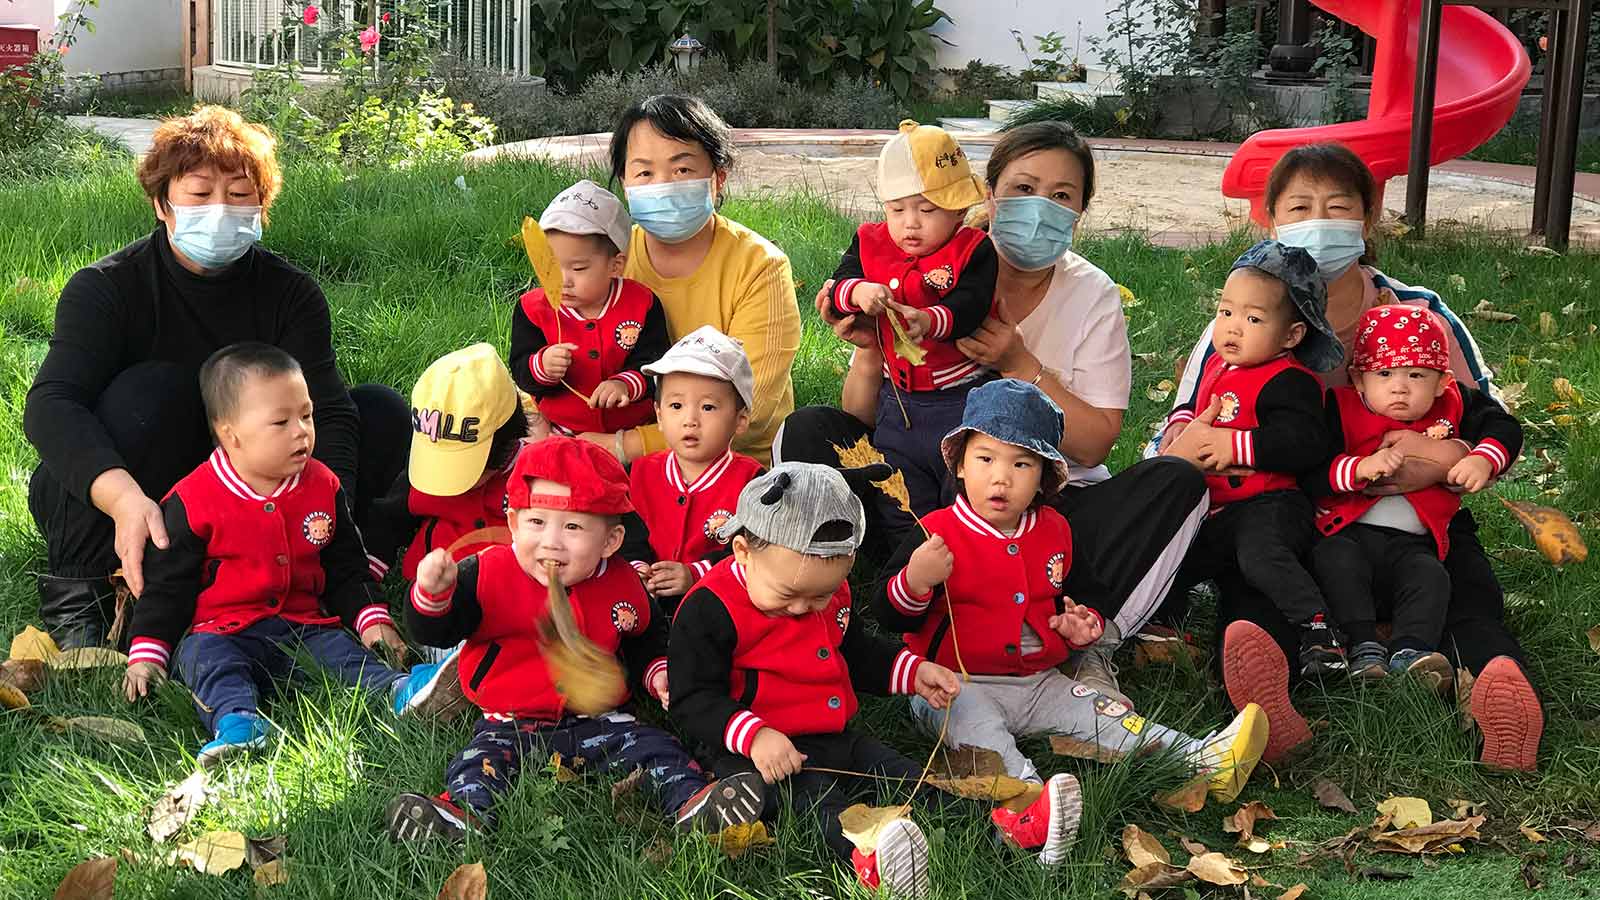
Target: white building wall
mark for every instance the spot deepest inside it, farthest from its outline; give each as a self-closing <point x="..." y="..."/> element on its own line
<point x="41" y="13"/>
<point x="981" y="29"/>
<point x="130" y="35"/>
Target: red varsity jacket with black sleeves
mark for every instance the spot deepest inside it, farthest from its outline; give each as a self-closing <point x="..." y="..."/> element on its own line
<point x="1275" y="413"/>
<point x="1000" y="582"/>
<point x="736" y="669"/>
<point x="954" y="283"/>
<point x="679" y="519"/>
<point x="1461" y="413"/>
<point x="235" y="557"/>
<point x="496" y="608"/>
<point x="629" y="334"/>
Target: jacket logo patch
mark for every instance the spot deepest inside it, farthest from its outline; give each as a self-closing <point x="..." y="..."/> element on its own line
<point x="714" y="523"/>
<point x="624" y="617"/>
<point x="1440" y="429"/>
<point x="1230" y="407"/>
<point x="940" y="279"/>
<point x="1056" y="570"/>
<point x="843" y="618"/>
<point x="1110" y="708"/>
<point x="318" y="528"/>
<point x="627" y="334"/>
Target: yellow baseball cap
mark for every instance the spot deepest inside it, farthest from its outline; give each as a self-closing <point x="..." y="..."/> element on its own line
<point x="926" y="160"/>
<point x="456" y="407"/>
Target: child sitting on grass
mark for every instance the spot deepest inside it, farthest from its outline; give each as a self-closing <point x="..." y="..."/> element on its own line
<point x="1271" y="336"/>
<point x="1386" y="553"/>
<point x="925" y="267"/>
<point x="566" y="501"/>
<point x="983" y="591"/>
<point x="685" y="493"/>
<point x="766" y="661"/>
<point x="582" y="360"/>
<point x="263" y="560"/>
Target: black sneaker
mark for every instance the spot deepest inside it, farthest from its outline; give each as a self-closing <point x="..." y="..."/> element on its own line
<point x="415" y="818"/>
<point x="735" y="800"/>
<point x="1320" y="653"/>
<point x="1369" y="661"/>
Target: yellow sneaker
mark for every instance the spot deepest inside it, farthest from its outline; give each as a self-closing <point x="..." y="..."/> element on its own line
<point x="1230" y="755"/>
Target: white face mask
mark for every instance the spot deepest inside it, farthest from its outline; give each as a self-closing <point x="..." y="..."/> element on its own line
<point x="215" y="234"/>
<point x="1335" y="244"/>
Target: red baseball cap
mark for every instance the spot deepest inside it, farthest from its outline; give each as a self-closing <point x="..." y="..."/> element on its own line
<point x="598" y="483"/>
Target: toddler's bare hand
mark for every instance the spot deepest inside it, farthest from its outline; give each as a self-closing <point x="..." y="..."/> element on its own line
<point x="1381" y="464"/>
<point x="1077" y="624"/>
<point x="436" y="574"/>
<point x="141" y="678"/>
<point x="669" y="579"/>
<point x="658" y="686"/>
<point x="871" y="298"/>
<point x="936" y="684"/>
<point x="930" y="566"/>
<point x="556" y="359"/>
<point x="384" y="639"/>
<point x="1472" y="474"/>
<point x="610" y="394"/>
<point x="775" y="755"/>
<point x="918" y="321"/>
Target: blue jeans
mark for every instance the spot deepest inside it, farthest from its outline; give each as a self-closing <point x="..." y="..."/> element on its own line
<point x="229" y="672"/>
<point x="915" y="450"/>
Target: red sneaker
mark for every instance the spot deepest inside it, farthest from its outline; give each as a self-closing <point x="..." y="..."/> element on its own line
<point x="1254" y="671"/>
<point x="1050" y="823"/>
<point x="899" y="865"/>
<point x="1509" y="715"/>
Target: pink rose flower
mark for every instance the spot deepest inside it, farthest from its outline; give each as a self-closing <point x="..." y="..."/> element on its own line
<point x="369" y="39"/>
<point x="310" y="15"/>
<point x="387" y="17"/>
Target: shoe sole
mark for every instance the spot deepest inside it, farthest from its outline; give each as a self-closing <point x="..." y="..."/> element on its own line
<point x="443" y="698"/>
<point x="413" y="817"/>
<point x="1254" y="670"/>
<point x="212" y="758"/>
<point x="1066" y="812"/>
<point x="1509" y="715"/>
<point x="1246" y="750"/>
<point x="1434" y="671"/>
<point x="735" y="800"/>
<point x="903" y="860"/>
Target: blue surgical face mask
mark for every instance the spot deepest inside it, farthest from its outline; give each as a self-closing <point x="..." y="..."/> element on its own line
<point x="672" y="211"/>
<point x="1335" y="244"/>
<point x="1031" y="232"/>
<point x="215" y="234"/>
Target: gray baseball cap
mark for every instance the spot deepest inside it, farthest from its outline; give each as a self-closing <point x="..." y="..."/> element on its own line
<point x="707" y="351"/>
<point x="588" y="208"/>
<point x="789" y="504"/>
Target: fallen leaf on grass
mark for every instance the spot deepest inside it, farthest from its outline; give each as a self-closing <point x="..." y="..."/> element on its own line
<point x="1193" y="848"/>
<point x="1153" y="877"/>
<point x="1565" y="391"/>
<point x="1142" y="848"/>
<point x="467" y="882"/>
<point x="861" y="823"/>
<point x="1464" y="808"/>
<point x="1294" y="893"/>
<point x="737" y="840"/>
<point x="177" y="807"/>
<point x="1532" y="836"/>
<point x="31" y="643"/>
<point x="1062" y="745"/>
<point x="1189" y="798"/>
<point x="1589" y="830"/>
<point x="93" y="879"/>
<point x="995" y="788"/>
<point x="1464" y="681"/>
<point x="106" y="729"/>
<point x="1486" y="311"/>
<point x="1511" y="394"/>
<point x="1331" y="796"/>
<point x="1438" y="837"/>
<point x="658" y="852"/>
<point x="1407" y="812"/>
<point x="1552" y="532"/>
<point x="627" y="785"/>
<point x="1547" y="325"/>
<point x="26" y="675"/>
<point x="272" y="873"/>
<point x="1540" y="250"/>
<point x="1372" y="873"/>
<point x="1457" y="283"/>
<point x="1215" y="868"/>
<point x="1572" y="864"/>
<point x="1160" y="391"/>
<point x="1594" y="638"/>
<point x="967" y="761"/>
<point x="11" y="698"/>
<point x="1530" y="875"/>
<point x="1127" y="296"/>
<point x="1159" y="652"/>
<point x="559" y="769"/>
<point x="214" y="852"/>
<point x="1243" y="821"/>
<point x="87" y="658"/>
<point x="1259" y="844"/>
<point x="260" y="851"/>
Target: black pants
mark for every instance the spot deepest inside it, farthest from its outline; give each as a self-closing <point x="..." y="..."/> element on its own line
<point x="826" y="794"/>
<point x="1367" y="571"/>
<point x="153" y="413"/>
<point x="1474" y="625"/>
<point x="1262" y="541"/>
<point x="910" y="428"/>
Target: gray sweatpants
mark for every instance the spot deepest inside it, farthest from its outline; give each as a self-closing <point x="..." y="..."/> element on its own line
<point x="993" y="710"/>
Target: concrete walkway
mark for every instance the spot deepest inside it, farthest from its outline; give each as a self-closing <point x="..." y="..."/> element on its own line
<point x="135" y="134"/>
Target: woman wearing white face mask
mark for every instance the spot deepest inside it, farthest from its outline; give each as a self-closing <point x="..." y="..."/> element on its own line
<point x="1059" y="324"/>
<point x="115" y="409"/>
<point x="672" y="155"/>
<point x="1322" y="197"/>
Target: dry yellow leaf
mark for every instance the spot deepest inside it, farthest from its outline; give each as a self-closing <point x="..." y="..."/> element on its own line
<point x="862" y="823"/>
<point x="23" y="674"/>
<point x="467" y="882"/>
<point x="904" y="346"/>
<point x="1531" y="835"/>
<point x="12" y="698"/>
<point x="1126" y="295"/>
<point x="88" y="658"/>
<point x="589" y="679"/>
<point x="1464" y="682"/>
<point x="1022" y="801"/>
<point x="1407" y="812"/>
<point x="177" y="807"/>
<point x="1153" y="877"/>
<point x="106" y="729"/>
<point x="737" y="840"/>
<point x="1260" y="844"/>
<point x="1243" y="821"/>
<point x="1552" y="532"/>
<point x="859" y="454"/>
<point x="1294" y="893"/>
<point x="995" y="788"/>
<point x="1215" y="868"/>
<point x="93" y="879"/>
<point x="1464" y="808"/>
<point x="1193" y="848"/>
<point x="967" y="760"/>
<point x="1062" y="745"/>
<point x="1189" y="798"/>
<point x="214" y="852"/>
<point x="559" y="768"/>
<point x="1161" y="390"/>
<point x="1142" y="848"/>
<point x="1565" y="391"/>
<point x="272" y="873"/>
<point x="31" y="643"/>
<point x="1438" y="837"/>
<point x="1594" y="638"/>
<point x="546" y="269"/>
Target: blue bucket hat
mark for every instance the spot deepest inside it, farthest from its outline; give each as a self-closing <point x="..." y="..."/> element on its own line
<point x="1320" y="349"/>
<point x="1018" y="414"/>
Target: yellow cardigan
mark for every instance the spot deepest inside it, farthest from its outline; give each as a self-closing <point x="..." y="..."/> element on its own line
<point x="744" y="288"/>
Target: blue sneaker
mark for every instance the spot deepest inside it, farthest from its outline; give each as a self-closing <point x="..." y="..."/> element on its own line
<point x="236" y="733"/>
<point x="1426" y="666"/>
<point x="431" y="690"/>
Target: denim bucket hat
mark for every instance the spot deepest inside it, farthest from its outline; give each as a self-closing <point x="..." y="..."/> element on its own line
<point x="1018" y="414"/>
<point x="1320" y="350"/>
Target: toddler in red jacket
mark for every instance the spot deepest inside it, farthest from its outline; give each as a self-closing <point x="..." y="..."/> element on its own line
<point x="703" y="390"/>
<point x="923" y="266"/>
<point x="581" y="358"/>
<point x="566" y="500"/>
<point x="1399" y="381"/>
<point x="766" y="661"/>
<point x="263" y="560"/>
<point x="982" y="592"/>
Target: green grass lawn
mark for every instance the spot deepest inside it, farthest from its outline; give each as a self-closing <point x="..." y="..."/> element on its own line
<point x="414" y="267"/>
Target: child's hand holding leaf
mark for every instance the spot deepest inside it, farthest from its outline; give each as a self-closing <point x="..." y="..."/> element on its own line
<point x="918" y="321"/>
<point x="871" y="298"/>
<point x="936" y="684"/>
<point x="382" y="637"/>
<point x="930" y="566"/>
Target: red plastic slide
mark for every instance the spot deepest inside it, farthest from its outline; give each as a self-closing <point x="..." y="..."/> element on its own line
<point x="1482" y="70"/>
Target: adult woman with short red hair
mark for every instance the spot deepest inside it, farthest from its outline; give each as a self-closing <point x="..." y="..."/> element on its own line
<point x="115" y="410"/>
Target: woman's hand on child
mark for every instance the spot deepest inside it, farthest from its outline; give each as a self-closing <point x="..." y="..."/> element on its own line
<point x="775" y="756"/>
<point x="658" y="686"/>
<point x="556" y="359"/>
<point x="383" y="638"/>
<point x="854" y="330"/>
<point x="1472" y="474"/>
<point x="930" y="566"/>
<point x="1381" y="464"/>
<point x="141" y="678"/>
<point x="936" y="684"/>
<point x="1077" y="624"/>
<point x="610" y="394"/>
<point x="998" y="344"/>
<point x="436" y="574"/>
<point x="871" y="298"/>
<point x="669" y="579"/>
<point x="1214" y="449"/>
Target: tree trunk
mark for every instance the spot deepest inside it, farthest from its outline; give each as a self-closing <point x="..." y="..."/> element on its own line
<point x="772" y="34"/>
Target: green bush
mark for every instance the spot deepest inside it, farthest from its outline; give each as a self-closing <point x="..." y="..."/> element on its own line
<point x="979" y="80"/>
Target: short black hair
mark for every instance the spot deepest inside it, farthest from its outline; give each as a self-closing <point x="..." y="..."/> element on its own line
<point x="1033" y="137"/>
<point x="507" y="441"/>
<point x="601" y="241"/>
<point x="223" y="374"/>
<point x="680" y="117"/>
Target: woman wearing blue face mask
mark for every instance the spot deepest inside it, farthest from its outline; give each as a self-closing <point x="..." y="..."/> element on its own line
<point x="671" y="155"/>
<point x="1323" y="197"/>
<point x="1058" y="324"/>
<point x="115" y="409"/>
